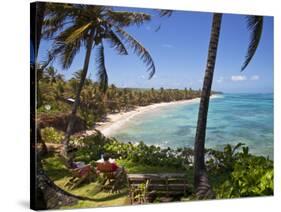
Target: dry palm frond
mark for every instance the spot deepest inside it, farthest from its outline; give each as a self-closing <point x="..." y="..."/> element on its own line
<point x="78" y="33"/>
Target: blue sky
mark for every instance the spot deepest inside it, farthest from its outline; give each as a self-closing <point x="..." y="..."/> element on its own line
<point x="179" y="50"/>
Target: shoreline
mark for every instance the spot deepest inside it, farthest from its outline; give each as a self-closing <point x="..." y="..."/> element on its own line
<point x="117" y="120"/>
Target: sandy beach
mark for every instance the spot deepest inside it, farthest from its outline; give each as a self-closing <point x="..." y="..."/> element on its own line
<point x="117" y="120"/>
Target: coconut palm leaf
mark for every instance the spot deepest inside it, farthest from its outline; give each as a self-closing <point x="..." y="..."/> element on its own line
<point x="165" y="13"/>
<point x="255" y="25"/>
<point x="47" y="62"/>
<point x="53" y="24"/>
<point x="138" y="49"/>
<point x="91" y="12"/>
<point x="101" y="70"/>
<point x="78" y="33"/>
<point x="77" y="75"/>
<point x="124" y="18"/>
<point x="68" y="43"/>
<point x="66" y="53"/>
<point x="116" y="43"/>
<point x="56" y="18"/>
<point x="87" y="26"/>
<point x="77" y="30"/>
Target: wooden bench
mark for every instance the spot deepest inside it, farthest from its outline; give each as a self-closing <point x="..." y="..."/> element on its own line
<point x="143" y="186"/>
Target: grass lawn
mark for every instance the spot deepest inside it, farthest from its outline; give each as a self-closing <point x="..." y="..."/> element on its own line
<point x="60" y="175"/>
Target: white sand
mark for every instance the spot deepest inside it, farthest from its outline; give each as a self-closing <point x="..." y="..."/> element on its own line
<point x="117" y="120"/>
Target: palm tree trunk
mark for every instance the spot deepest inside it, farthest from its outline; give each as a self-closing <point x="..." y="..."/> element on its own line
<point x="37" y="12"/>
<point x="76" y="104"/>
<point x="44" y="194"/>
<point x="202" y="186"/>
<point x="48" y="195"/>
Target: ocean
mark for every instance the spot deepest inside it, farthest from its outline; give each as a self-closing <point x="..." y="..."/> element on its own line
<point x="232" y="118"/>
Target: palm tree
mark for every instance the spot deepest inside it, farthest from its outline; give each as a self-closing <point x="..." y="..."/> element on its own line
<point x="255" y="25"/>
<point x="51" y="74"/>
<point x="76" y="26"/>
<point x="45" y="193"/>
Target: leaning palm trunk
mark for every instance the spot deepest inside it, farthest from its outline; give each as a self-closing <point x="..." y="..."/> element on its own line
<point x="38" y="13"/>
<point x="201" y="182"/>
<point x="48" y="194"/>
<point x="76" y="103"/>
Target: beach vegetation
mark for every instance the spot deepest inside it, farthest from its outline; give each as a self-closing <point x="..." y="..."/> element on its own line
<point x="251" y="176"/>
<point x="51" y="135"/>
<point x="234" y="172"/>
<point x="57" y="97"/>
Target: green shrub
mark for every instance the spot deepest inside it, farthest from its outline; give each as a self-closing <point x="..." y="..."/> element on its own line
<point x="249" y="175"/>
<point x="236" y="173"/>
<point x="223" y="161"/>
<point x="94" y="146"/>
<point x="51" y="135"/>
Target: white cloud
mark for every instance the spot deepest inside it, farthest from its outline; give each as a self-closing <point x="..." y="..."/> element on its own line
<point x="238" y="78"/>
<point x="255" y="77"/>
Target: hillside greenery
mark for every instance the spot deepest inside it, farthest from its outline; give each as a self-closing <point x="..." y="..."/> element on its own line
<point x="56" y="95"/>
<point x="234" y="172"/>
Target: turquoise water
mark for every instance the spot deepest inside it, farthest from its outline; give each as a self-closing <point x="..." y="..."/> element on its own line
<point x="233" y="118"/>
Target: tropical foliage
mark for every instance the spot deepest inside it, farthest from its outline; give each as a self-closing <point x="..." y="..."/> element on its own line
<point x="75" y="26"/>
<point x="247" y="175"/>
<point x="50" y="135"/>
<point x="234" y="172"/>
<point x="57" y="95"/>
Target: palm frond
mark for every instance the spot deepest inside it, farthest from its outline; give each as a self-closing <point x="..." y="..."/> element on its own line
<point x="56" y="17"/>
<point x="53" y="24"/>
<point x="92" y="11"/>
<point x="77" y="75"/>
<point x="138" y="49"/>
<point x="124" y="18"/>
<point x="158" y="28"/>
<point x="78" y="33"/>
<point x="66" y="52"/>
<point x="48" y="61"/>
<point x="165" y="13"/>
<point x="67" y="44"/>
<point x="69" y="53"/>
<point x="73" y="32"/>
<point x="59" y="8"/>
<point x="255" y="26"/>
<point x="116" y="43"/>
<point x="101" y="70"/>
